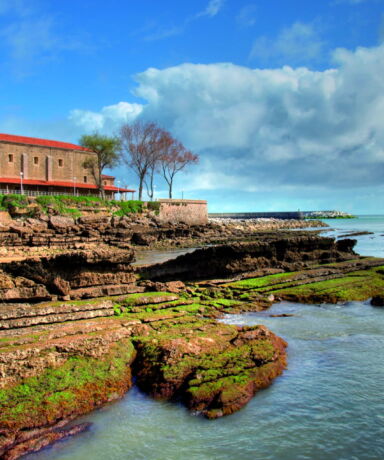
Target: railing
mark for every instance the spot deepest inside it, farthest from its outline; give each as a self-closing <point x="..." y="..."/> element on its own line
<point x="37" y="193"/>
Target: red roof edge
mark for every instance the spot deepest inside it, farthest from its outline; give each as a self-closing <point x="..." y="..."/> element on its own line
<point x="41" y="142"/>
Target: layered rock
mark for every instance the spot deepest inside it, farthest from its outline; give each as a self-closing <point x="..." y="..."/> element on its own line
<point x="74" y="274"/>
<point x="288" y="252"/>
<point x="105" y="271"/>
<point x="19" y="236"/>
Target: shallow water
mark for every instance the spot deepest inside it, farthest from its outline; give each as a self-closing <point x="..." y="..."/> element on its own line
<point x="328" y="404"/>
<point x="156" y="256"/>
<point x="367" y="245"/>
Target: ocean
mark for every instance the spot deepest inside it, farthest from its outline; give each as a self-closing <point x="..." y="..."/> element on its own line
<point x="328" y="404"/>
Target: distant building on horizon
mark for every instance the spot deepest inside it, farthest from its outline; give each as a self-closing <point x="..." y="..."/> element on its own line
<point x="36" y="166"/>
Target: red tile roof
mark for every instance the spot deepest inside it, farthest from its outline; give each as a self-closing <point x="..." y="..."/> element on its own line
<point x="110" y="188"/>
<point x="42" y="142"/>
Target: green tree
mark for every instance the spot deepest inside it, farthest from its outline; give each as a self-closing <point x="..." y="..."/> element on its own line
<point x="107" y="151"/>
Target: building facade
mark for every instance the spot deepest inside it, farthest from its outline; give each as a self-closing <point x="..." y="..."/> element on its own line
<point x="40" y="166"/>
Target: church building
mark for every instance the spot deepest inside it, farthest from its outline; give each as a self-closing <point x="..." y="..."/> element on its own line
<point x="35" y="166"/>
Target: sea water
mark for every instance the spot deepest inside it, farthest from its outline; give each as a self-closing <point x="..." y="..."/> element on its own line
<point x="367" y="245"/>
<point x="328" y="404"/>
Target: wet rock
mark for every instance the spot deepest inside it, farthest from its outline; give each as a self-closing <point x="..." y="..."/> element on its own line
<point x="97" y="369"/>
<point x="215" y="368"/>
<point x="377" y="301"/>
<point x="226" y="260"/>
<point x="43" y="438"/>
<point x="143" y="239"/>
<point x="282" y="315"/>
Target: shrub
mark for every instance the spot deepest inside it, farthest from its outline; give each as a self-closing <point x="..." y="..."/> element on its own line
<point x="14" y="201"/>
<point x="128" y="207"/>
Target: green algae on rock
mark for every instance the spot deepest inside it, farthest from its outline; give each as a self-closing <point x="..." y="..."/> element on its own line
<point x="37" y="405"/>
<point x="330" y="283"/>
<point x="214" y="368"/>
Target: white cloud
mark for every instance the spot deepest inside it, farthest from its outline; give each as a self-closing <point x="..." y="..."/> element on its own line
<point x="297" y="44"/>
<point x="351" y="2"/>
<point x="19" y="7"/>
<point x="31" y="37"/>
<point x="27" y="39"/>
<point x="109" y="119"/>
<point x="162" y="33"/>
<point x="258" y="128"/>
<point x="155" y="31"/>
<point x="212" y="9"/>
<point x="247" y="15"/>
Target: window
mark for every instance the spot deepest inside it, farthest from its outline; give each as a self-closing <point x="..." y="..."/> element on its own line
<point x="10" y="158"/>
<point x="104" y="182"/>
<point x="35" y="160"/>
<point x="85" y="179"/>
<point x="60" y="162"/>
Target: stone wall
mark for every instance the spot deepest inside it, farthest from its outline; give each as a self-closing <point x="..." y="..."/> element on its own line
<point x="192" y="212"/>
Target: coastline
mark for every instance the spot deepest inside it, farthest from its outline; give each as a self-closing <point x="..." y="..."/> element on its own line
<point x="191" y="306"/>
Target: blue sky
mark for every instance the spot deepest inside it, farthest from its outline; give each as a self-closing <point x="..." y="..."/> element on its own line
<point x="282" y="100"/>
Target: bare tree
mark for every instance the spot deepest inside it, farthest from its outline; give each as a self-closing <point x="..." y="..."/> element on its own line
<point x="174" y="158"/>
<point x="140" y="145"/>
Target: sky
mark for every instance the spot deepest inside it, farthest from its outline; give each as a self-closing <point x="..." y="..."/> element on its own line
<point x="283" y="100"/>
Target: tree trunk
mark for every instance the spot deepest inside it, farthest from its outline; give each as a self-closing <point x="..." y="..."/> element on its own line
<point x="100" y="185"/>
<point x="102" y="191"/>
<point x="170" y="190"/>
<point x="141" y="188"/>
<point x="150" y="186"/>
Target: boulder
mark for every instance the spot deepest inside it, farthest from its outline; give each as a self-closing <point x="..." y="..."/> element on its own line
<point x="143" y="239"/>
<point x="61" y="223"/>
<point x="5" y="218"/>
<point x="95" y="219"/>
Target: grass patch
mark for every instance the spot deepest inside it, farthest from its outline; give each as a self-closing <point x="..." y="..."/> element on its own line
<point x="127" y="207"/>
<point x="254" y="283"/>
<point x="69" y="205"/>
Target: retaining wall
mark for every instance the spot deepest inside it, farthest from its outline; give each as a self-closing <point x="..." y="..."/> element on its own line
<point x="192" y="212"/>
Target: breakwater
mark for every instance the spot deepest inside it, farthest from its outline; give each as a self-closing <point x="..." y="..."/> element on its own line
<point x="257" y="215"/>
